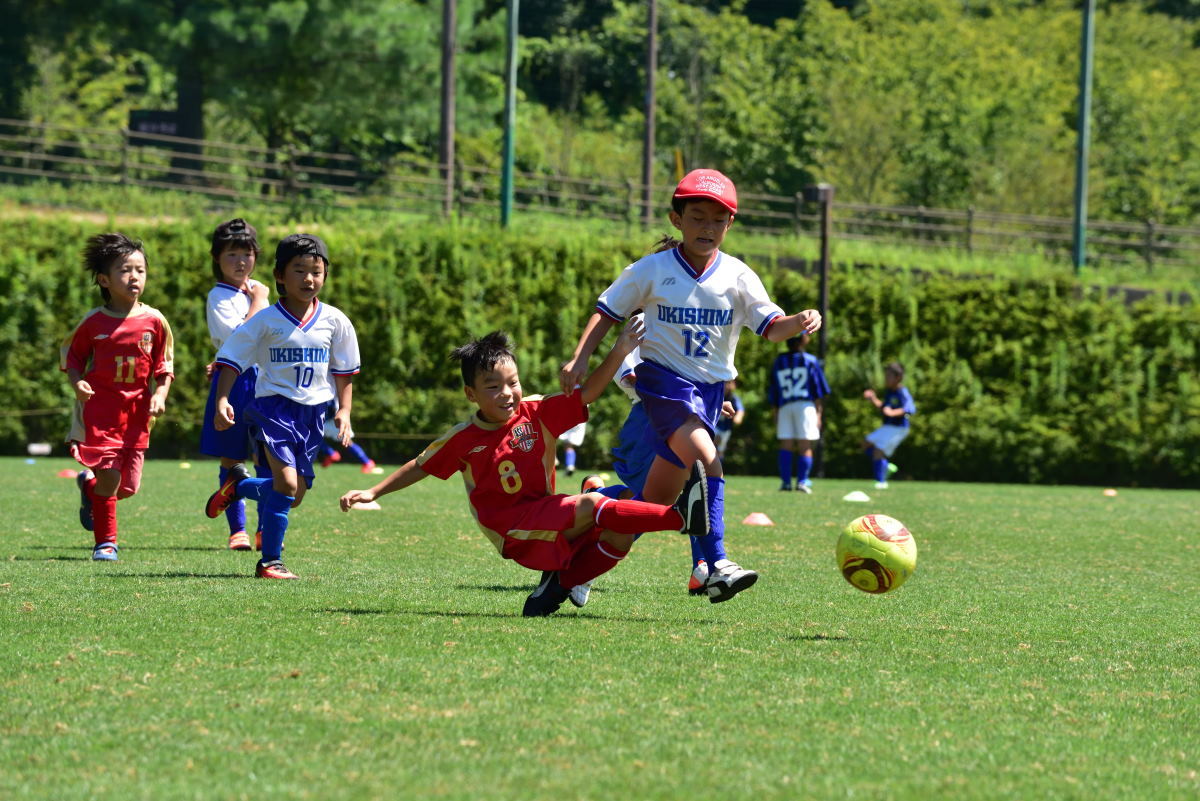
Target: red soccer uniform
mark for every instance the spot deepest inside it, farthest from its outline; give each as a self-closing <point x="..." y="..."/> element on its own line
<point x="117" y="356"/>
<point x="508" y="469"/>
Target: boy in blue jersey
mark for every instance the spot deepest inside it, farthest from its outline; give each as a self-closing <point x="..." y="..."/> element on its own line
<point x="307" y="353"/>
<point x="896" y="407"/>
<point x="795" y="392"/>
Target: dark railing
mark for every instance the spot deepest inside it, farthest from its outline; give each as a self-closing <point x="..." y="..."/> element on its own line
<point x="229" y="172"/>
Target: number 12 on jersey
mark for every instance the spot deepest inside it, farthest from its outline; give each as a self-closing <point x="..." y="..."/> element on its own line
<point x="695" y="343"/>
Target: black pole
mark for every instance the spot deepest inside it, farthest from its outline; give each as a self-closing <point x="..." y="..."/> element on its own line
<point x="446" y="135"/>
<point x="648" y="143"/>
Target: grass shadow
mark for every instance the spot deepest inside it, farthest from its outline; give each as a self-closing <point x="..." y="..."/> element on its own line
<point x="15" y="558"/>
<point x="180" y="574"/>
<point x="818" y="637"/>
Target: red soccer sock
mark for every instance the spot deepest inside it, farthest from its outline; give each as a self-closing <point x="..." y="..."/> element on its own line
<point x="591" y="561"/>
<point x="104" y="514"/>
<point x="636" y="517"/>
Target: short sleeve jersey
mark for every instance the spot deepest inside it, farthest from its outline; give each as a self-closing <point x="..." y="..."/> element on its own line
<point x="506" y="464"/>
<point x="899" y="398"/>
<point x="226" y="310"/>
<point x="118" y="357"/>
<point x="796" y="376"/>
<point x="628" y="368"/>
<point x="693" y="320"/>
<point x="296" y="358"/>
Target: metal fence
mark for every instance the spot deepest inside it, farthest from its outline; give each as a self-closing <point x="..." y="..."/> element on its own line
<point x="232" y="173"/>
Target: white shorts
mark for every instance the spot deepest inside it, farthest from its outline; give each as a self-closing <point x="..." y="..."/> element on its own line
<point x="574" y="436"/>
<point x="888" y="438"/>
<point x="798" y="420"/>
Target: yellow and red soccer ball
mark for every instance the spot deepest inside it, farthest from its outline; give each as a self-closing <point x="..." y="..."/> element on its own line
<point x="876" y="553"/>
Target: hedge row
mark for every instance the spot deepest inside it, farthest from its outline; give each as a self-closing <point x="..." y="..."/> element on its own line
<point x="1015" y="382"/>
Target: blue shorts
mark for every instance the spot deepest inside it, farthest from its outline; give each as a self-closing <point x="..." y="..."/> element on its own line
<point x="235" y="442"/>
<point x="670" y="399"/>
<point x="289" y="431"/>
<point x="635" y="449"/>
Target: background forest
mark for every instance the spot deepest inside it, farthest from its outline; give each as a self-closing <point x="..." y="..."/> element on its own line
<point x="917" y="102"/>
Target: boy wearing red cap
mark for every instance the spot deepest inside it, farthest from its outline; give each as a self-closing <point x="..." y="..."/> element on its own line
<point x="696" y="299"/>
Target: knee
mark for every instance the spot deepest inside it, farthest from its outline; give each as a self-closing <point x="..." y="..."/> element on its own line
<point x="122" y="494"/>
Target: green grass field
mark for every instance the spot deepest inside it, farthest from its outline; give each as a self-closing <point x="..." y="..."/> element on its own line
<point x="1047" y="648"/>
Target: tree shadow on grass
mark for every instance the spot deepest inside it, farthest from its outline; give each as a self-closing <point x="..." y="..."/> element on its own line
<point x="220" y="547"/>
<point x="15" y="558"/>
<point x="511" y="587"/>
<point x="818" y="637"/>
<point x="438" y="613"/>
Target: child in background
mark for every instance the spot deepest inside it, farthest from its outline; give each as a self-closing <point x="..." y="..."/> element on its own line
<point x="330" y="455"/>
<point x="696" y="300"/>
<point x="896" y="407"/>
<point x="726" y="422"/>
<point x="234" y="299"/>
<point x="795" y="392"/>
<point x="119" y="362"/>
<point x="572" y="438"/>
<point x="307" y="352"/>
<point x="505" y="452"/>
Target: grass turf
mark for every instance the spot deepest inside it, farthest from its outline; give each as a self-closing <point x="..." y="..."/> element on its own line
<point x="1045" y="648"/>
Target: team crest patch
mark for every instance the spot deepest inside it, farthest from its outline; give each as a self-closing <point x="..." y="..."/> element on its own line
<point x="524" y="437"/>
<point x="147" y="343"/>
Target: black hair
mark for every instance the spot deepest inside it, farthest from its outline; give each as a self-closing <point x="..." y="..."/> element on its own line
<point x="796" y="342"/>
<point x="895" y="367"/>
<point x="666" y="242"/>
<point x="102" y="251"/>
<point x="481" y="355"/>
<point x="232" y="233"/>
<point x="294" y="245"/>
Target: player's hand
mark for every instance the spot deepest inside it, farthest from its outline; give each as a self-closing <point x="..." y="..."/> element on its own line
<point x="208" y="371"/>
<point x="355" y="496"/>
<point x="726" y="409"/>
<point x="811" y="319"/>
<point x="158" y="405"/>
<point x="869" y="394"/>
<point x="257" y="290"/>
<point x="345" y="434"/>
<point x="223" y="417"/>
<point x="631" y="335"/>
<point x="571" y="375"/>
<point x="83" y="391"/>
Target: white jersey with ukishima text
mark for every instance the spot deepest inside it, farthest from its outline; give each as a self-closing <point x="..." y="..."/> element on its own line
<point x="226" y="310"/>
<point x="296" y="358"/>
<point x="693" y="320"/>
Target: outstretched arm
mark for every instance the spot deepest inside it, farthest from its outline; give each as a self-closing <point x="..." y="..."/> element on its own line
<point x="631" y="337"/>
<point x="406" y="475"/>
<point x="572" y="372"/>
<point x="783" y="328"/>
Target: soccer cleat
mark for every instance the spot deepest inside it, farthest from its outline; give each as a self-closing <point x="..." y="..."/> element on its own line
<point x="591" y="483"/>
<point x="85" y="503"/>
<point x="368" y="466"/>
<point x="881" y="485"/>
<point x="331" y="458"/>
<point x="219" y="501"/>
<point x="805" y="488"/>
<point x="692" y="503"/>
<point x="238" y="541"/>
<point x="105" y="552"/>
<point x="697" y="579"/>
<point x="274" y="569"/>
<point x="727" y="579"/>
<point x="579" y="594"/>
<point x="547" y="598"/>
<point x="785" y="487"/>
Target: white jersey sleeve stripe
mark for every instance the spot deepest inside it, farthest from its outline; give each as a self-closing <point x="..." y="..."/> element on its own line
<point x="762" y="329"/>
<point x="607" y="312"/>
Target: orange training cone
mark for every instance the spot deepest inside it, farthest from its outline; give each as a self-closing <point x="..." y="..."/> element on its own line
<point x="757" y="519"/>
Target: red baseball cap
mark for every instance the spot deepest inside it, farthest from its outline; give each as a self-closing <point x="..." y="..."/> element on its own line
<point x="709" y="184"/>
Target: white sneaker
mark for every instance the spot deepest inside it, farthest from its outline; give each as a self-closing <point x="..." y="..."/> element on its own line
<point x="807" y="490"/>
<point x="697" y="579"/>
<point x="579" y="594"/>
<point x="881" y="485"/>
<point x="726" y="579"/>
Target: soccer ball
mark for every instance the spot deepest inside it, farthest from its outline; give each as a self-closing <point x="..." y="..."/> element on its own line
<point x="876" y="553"/>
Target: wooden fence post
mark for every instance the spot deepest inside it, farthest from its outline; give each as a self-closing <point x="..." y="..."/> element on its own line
<point x="1148" y="246"/>
<point x="970" y="229"/>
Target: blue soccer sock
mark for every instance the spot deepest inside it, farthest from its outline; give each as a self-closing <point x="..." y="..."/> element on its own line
<point x="358" y="452"/>
<point x="326" y="448"/>
<point x="255" y="489"/>
<point x="274" y="508"/>
<point x="713" y="546"/>
<point x="569" y="458"/>
<point x="880" y="469"/>
<point x="785" y="467"/>
<point x="804" y="468"/>
<point x="697" y="551"/>
<point x="235" y="513"/>
<point x="261" y="471"/>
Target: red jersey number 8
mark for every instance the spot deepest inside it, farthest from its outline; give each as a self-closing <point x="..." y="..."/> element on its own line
<point x="510" y="479"/>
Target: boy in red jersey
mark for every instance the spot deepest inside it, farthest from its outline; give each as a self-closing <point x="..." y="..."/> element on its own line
<point x="118" y="361"/>
<point x="505" y="452"/>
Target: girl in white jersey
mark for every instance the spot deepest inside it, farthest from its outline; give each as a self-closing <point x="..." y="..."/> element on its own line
<point x="307" y="353"/>
<point x="696" y="299"/>
<point x="234" y="299"/>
